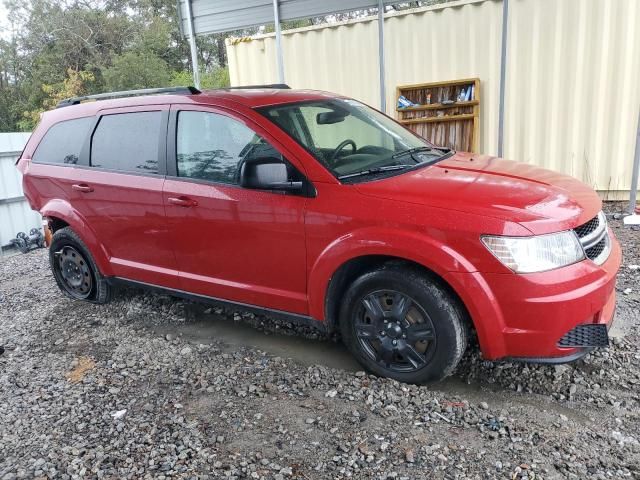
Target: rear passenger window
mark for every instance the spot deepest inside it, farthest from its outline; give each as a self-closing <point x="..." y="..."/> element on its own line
<point x="212" y="146"/>
<point x="127" y="142"/>
<point x="63" y="141"/>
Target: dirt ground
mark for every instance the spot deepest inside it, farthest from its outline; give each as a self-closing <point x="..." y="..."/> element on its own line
<point x="152" y="387"/>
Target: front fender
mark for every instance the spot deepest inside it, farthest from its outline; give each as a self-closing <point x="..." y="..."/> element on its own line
<point x="63" y="210"/>
<point x="427" y="251"/>
<point x="460" y="274"/>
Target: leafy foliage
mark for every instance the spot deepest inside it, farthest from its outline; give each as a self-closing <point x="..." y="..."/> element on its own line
<point x="133" y="70"/>
<point x="73" y="85"/>
<point x="217" y="78"/>
<point x="58" y="49"/>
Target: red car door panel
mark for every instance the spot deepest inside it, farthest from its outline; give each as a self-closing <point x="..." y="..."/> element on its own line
<point x="127" y="215"/>
<point x="233" y="243"/>
<point x="245" y="246"/>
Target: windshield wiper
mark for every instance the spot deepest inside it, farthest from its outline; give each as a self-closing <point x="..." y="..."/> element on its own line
<point x="411" y="151"/>
<point x="373" y="171"/>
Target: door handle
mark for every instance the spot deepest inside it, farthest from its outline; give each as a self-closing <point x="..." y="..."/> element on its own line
<point x="182" y="201"/>
<point x="82" y="187"/>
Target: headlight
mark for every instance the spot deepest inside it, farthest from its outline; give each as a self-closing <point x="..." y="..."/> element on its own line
<point x="536" y="254"/>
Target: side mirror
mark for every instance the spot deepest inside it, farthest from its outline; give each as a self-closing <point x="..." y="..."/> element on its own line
<point x="267" y="173"/>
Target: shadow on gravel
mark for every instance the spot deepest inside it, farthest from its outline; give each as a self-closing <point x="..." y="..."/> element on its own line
<point x="239" y="330"/>
<point x="205" y="326"/>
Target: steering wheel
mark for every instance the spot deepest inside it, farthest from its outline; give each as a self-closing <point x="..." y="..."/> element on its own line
<point x="341" y="146"/>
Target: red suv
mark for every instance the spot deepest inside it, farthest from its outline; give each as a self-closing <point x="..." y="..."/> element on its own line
<point x="320" y="208"/>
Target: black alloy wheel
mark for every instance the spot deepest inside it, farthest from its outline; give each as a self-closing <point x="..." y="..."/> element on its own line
<point x="395" y="331"/>
<point x="402" y="322"/>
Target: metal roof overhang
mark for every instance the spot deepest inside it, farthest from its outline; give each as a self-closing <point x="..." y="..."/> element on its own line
<point x="205" y="17"/>
<point x="218" y="16"/>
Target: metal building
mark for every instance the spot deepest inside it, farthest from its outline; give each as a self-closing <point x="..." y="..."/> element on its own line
<point x="569" y="101"/>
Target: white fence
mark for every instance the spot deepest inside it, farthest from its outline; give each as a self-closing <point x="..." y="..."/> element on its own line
<point x="15" y="213"/>
<point x="572" y="69"/>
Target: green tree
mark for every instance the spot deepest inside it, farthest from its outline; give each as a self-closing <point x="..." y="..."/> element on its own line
<point x="133" y="70"/>
<point x="72" y="86"/>
<point x="218" y="78"/>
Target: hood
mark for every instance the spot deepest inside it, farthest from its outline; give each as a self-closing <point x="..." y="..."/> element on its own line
<point x="540" y="200"/>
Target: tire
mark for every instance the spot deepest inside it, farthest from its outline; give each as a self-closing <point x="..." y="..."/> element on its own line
<point x="400" y="323"/>
<point x="75" y="270"/>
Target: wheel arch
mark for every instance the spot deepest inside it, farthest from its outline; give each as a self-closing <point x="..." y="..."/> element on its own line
<point x="353" y="268"/>
<point x="55" y="223"/>
<point x="476" y="310"/>
<point x="60" y="214"/>
<point x="351" y="255"/>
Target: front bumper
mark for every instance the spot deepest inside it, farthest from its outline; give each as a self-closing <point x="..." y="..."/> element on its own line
<point x="526" y="316"/>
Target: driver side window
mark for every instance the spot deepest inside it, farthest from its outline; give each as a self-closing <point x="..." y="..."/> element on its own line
<point x="212" y="147"/>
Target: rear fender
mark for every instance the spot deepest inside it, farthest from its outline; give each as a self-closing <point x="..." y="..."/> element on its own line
<point x="64" y="211"/>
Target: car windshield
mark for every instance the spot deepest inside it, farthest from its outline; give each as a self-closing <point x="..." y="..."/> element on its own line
<point x="351" y="139"/>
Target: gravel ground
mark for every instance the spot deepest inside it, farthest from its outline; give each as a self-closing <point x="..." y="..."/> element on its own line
<point x="105" y="392"/>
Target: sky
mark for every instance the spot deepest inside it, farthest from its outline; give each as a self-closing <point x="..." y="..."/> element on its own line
<point x="4" y="23"/>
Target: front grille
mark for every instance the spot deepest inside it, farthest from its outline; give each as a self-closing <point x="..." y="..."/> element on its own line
<point x="587" y="228"/>
<point x="595" y="251"/>
<point x="594" y="238"/>
<point x="586" y="336"/>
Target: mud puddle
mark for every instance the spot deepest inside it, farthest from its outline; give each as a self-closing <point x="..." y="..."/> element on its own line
<point x="207" y="328"/>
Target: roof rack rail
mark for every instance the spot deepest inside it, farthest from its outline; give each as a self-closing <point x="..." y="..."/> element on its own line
<point x="275" y="86"/>
<point x="127" y="93"/>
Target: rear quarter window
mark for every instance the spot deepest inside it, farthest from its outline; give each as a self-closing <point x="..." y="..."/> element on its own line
<point x="63" y="141"/>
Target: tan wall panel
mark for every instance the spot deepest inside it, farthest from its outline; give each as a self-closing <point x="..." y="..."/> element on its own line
<point x="342" y="59"/>
<point x="572" y="87"/>
<point x="572" y="94"/>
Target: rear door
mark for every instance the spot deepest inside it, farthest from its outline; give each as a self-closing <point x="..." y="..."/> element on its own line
<point x="230" y="242"/>
<point x="119" y="193"/>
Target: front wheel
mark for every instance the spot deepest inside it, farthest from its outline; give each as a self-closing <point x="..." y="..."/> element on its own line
<point x="400" y="323"/>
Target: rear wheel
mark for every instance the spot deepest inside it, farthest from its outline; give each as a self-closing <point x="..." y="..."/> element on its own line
<point x="75" y="270"/>
<point x="402" y="324"/>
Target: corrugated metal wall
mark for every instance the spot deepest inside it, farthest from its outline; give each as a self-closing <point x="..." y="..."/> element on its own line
<point x="573" y="68"/>
<point x="15" y="213"/>
<point x="573" y="93"/>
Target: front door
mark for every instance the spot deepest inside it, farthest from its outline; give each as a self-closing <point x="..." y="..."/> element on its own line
<point x="232" y="243"/>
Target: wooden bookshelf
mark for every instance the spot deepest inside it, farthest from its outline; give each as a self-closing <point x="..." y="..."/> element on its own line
<point x="455" y="125"/>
